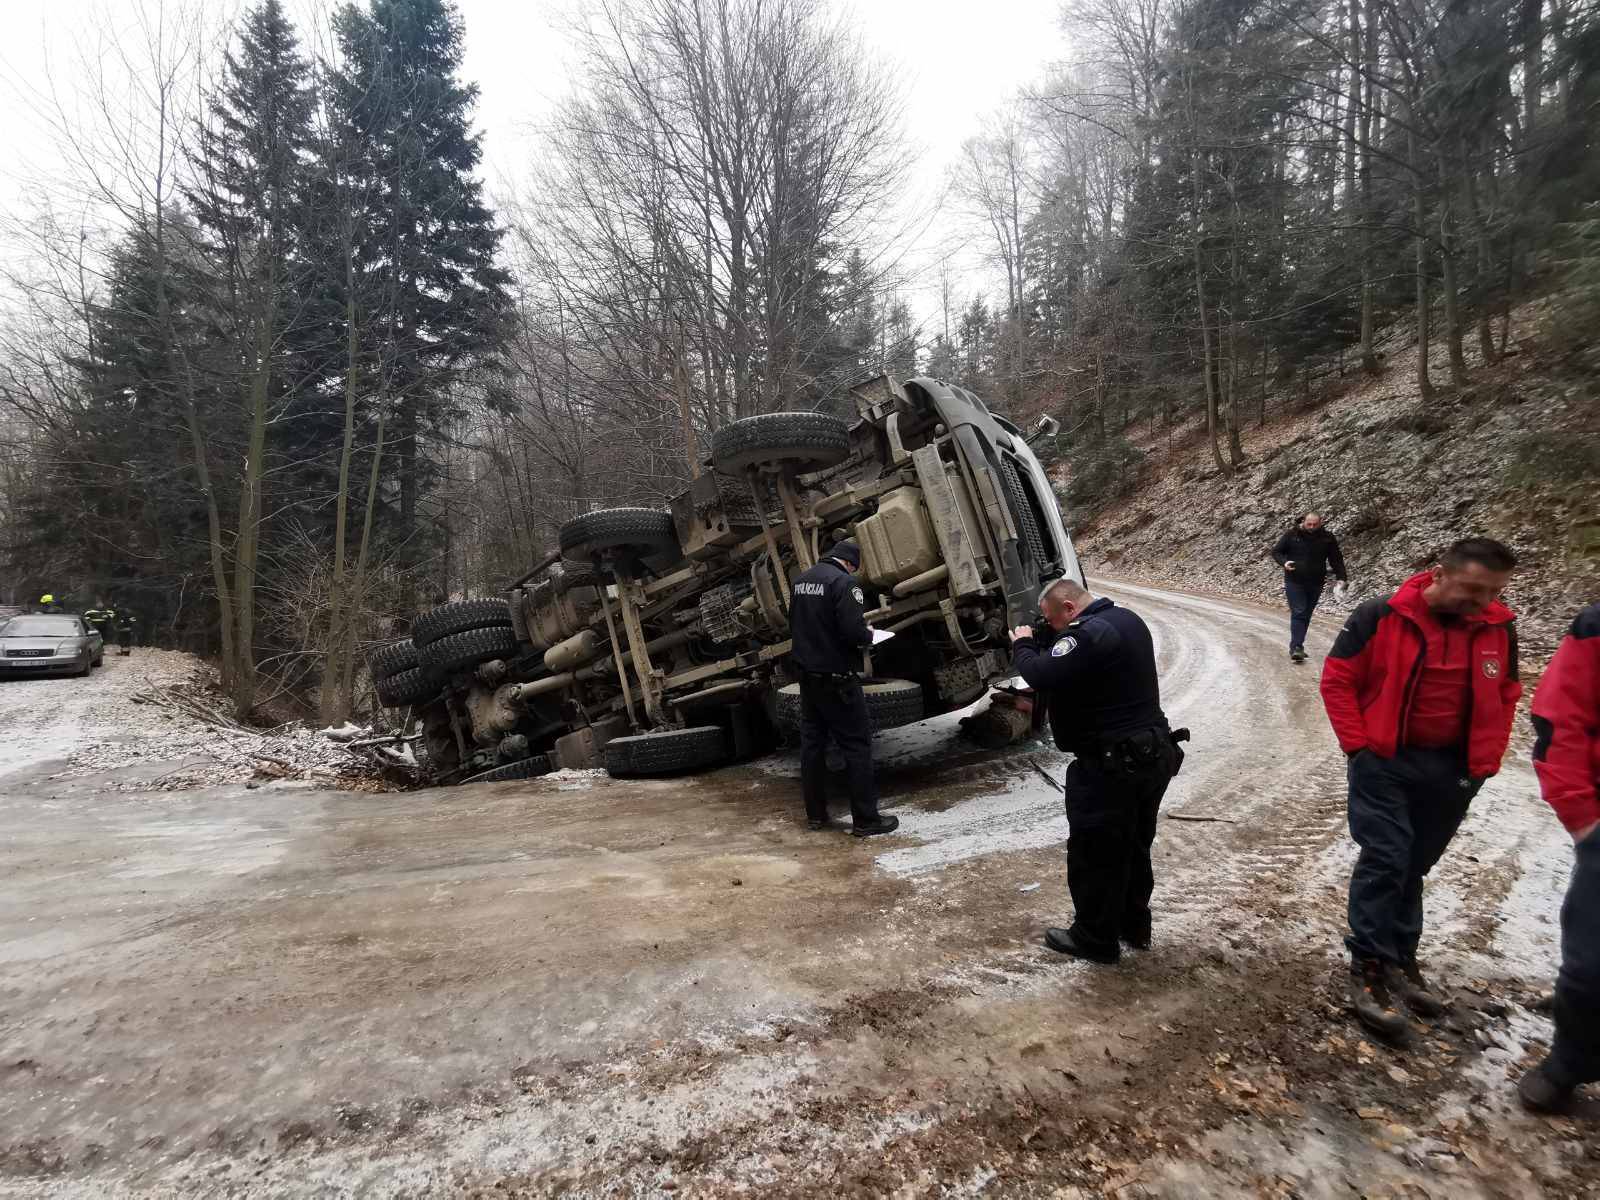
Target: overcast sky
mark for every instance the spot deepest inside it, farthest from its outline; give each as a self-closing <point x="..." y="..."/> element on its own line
<point x="958" y="61"/>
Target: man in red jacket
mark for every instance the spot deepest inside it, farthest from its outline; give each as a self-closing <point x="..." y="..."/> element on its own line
<point x="1421" y="688"/>
<point x="1566" y="716"/>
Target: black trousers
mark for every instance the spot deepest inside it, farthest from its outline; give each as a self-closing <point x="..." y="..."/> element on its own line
<point x="1403" y="812"/>
<point x="836" y="708"/>
<point x="1303" y="595"/>
<point x="1111" y="825"/>
<point x="1575" y="1054"/>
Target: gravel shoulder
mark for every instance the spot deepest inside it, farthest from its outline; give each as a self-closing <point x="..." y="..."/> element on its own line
<point x="646" y="988"/>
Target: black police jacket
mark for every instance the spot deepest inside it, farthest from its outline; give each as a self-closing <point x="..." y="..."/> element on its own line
<point x="1312" y="552"/>
<point x="827" y="621"/>
<point x="1098" y="676"/>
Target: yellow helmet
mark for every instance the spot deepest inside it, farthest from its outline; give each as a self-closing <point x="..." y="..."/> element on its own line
<point x="47" y="599"/>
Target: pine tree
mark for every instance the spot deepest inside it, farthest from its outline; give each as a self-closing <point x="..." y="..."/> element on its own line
<point x="249" y="204"/>
<point x="441" y="305"/>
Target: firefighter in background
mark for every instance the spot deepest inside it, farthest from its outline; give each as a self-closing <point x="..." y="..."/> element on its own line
<point x="127" y="630"/>
<point x="103" y="621"/>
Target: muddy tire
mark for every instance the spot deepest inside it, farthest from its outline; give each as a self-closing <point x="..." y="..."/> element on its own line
<point x="412" y="686"/>
<point x="523" y="768"/>
<point x="806" y="441"/>
<point x="665" y="751"/>
<point x="458" y="652"/>
<point x="639" y="532"/>
<point x="389" y="659"/>
<point x="459" y="617"/>
<point x="890" y="703"/>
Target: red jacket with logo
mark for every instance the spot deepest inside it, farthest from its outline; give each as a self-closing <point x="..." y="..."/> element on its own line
<point x="1370" y="676"/>
<point x="1566" y="716"/>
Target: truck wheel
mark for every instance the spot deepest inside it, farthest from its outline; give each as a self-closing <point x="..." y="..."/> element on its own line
<point x="389" y="659"/>
<point x="411" y="686"/>
<point x="806" y="441"/>
<point x="461" y="651"/>
<point x="523" y="768"/>
<point x="460" y="616"/>
<point x="643" y="532"/>
<point x="890" y="703"/>
<point x="666" y="750"/>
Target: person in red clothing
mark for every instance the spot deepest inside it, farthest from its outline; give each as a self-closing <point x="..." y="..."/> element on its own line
<point x="1421" y="688"/>
<point x="1566" y="718"/>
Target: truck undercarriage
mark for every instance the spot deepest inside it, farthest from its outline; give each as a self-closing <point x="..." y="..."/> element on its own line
<point x="657" y="640"/>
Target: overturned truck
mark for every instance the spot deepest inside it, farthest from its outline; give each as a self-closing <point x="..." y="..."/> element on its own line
<point x="656" y="641"/>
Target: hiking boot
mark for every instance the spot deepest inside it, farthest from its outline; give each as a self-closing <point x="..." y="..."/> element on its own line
<point x="1064" y="941"/>
<point x="881" y="825"/>
<point x="1297" y="654"/>
<point x="1374" y="1004"/>
<point x="1412" y="988"/>
<point x="817" y="826"/>
<point x="1541" y="1094"/>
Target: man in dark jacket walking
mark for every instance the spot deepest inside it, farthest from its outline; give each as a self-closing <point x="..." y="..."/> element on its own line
<point x="1095" y="665"/>
<point x="828" y="626"/>
<point x="1421" y="688"/>
<point x="1306" y="553"/>
<point x="1566" y="718"/>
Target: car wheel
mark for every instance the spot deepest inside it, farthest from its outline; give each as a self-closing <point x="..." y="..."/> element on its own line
<point x="806" y="441"/>
<point x="665" y="751"/>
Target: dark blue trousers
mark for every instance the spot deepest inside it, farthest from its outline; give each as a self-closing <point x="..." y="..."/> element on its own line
<point x="1403" y="813"/>
<point x="1303" y="596"/>
<point x="1575" y="1055"/>
<point x="837" y="709"/>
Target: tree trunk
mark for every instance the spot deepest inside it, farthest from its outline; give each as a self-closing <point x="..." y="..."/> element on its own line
<point x="1419" y="217"/>
<point x="1485" y="261"/>
<point x="336" y="699"/>
<point x="1447" y="264"/>
<point x="1369" y="357"/>
<point x="248" y="541"/>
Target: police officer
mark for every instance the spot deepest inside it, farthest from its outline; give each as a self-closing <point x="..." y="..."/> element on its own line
<point x="827" y="623"/>
<point x="1096" y="667"/>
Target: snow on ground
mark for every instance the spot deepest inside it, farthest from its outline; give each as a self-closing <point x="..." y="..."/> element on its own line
<point x="69" y="728"/>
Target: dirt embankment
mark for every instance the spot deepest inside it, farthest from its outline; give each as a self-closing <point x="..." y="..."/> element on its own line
<point x="1515" y="455"/>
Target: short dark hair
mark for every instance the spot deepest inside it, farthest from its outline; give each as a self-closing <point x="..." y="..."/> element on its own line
<point x="1487" y="552"/>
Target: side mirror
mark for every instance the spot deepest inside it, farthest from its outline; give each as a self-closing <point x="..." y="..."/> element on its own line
<point x="1047" y="427"/>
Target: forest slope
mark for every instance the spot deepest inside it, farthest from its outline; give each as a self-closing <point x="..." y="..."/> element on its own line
<point x="1515" y="455"/>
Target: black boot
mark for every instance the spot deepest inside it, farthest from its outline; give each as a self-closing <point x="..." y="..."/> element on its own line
<point x="816" y="826"/>
<point x="1541" y="1094"/>
<point x="1064" y="941"/>
<point x="1412" y="987"/>
<point x="1374" y="1004"/>
<point x="881" y="825"/>
<point x="1297" y="654"/>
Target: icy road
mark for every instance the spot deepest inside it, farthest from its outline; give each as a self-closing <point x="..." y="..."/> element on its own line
<point x="592" y="987"/>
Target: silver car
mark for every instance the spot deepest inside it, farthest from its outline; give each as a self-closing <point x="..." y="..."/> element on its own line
<point x="49" y="643"/>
